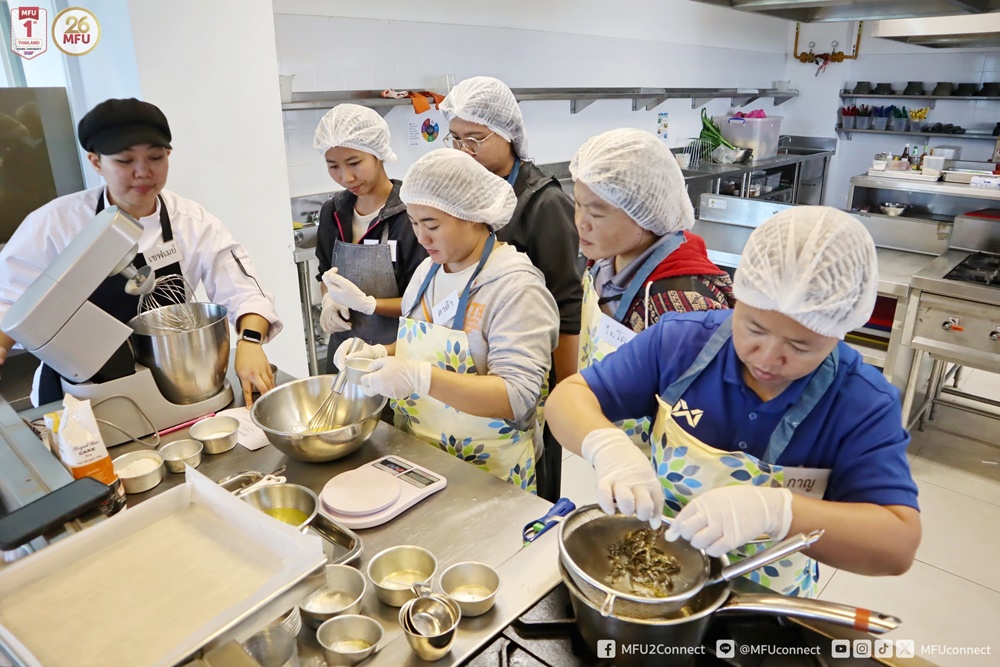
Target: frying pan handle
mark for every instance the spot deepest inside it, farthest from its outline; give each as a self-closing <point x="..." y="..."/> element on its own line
<point x="858" y="618"/>
<point x="778" y="551"/>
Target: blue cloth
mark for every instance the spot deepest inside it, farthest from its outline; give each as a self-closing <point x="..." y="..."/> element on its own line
<point x="855" y="430"/>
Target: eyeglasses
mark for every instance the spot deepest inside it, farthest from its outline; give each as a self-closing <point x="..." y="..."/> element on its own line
<point x="471" y="145"/>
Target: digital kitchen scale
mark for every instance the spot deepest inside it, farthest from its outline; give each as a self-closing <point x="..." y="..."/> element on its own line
<point x="378" y="491"/>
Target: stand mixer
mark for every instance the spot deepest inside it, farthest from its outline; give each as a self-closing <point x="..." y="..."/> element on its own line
<point x="55" y="321"/>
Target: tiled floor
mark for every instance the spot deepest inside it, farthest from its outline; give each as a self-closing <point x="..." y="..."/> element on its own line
<point x="951" y="595"/>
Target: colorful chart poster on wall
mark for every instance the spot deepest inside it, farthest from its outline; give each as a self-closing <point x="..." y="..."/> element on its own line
<point x="425" y="129"/>
<point x="662" y="125"/>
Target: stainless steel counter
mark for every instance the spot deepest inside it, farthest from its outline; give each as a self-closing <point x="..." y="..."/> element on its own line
<point x="930" y="187"/>
<point x="476" y="517"/>
<point x="712" y="170"/>
<point x="896" y="269"/>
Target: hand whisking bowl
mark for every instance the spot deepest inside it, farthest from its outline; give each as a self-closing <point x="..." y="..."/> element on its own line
<point x="284" y="412"/>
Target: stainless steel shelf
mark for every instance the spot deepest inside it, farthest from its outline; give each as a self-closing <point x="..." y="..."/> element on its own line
<point x="968" y="135"/>
<point x="926" y="98"/>
<point x="931" y="187"/>
<point x="579" y="98"/>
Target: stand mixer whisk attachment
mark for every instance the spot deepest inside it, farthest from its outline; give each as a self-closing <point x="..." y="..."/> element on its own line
<point x="168" y="305"/>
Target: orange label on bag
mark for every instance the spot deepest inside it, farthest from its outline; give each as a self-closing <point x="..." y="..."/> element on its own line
<point x="102" y="470"/>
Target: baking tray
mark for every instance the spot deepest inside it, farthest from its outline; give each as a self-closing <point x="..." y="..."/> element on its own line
<point x="152" y="585"/>
<point x="341" y="545"/>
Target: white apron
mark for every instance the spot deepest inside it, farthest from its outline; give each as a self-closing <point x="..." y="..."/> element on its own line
<point x="687" y="467"/>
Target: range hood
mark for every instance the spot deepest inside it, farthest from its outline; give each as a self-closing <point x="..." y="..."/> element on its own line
<point x="822" y="11"/>
<point x="944" y="31"/>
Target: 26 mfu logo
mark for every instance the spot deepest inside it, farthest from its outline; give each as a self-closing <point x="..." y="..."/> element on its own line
<point x="76" y="31"/>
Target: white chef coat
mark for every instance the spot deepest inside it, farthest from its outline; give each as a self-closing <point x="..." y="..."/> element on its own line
<point x="203" y="242"/>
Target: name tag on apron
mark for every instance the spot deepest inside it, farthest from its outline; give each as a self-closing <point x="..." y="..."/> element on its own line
<point x="391" y="244"/>
<point x="162" y="255"/>
<point x="809" y="482"/>
<point x="615" y="332"/>
<point x="445" y="309"/>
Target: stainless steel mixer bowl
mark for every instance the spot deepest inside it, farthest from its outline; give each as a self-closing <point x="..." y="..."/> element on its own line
<point x="283" y="413"/>
<point x="188" y="366"/>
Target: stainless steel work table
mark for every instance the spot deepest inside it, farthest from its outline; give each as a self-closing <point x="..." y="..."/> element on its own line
<point x="896" y="269"/>
<point x="476" y="517"/>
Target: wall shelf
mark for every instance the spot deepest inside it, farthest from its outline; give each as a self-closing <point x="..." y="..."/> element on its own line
<point x="940" y="135"/>
<point x="579" y="98"/>
<point x="844" y="95"/>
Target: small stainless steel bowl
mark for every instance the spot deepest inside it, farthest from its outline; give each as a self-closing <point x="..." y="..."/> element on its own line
<point x="889" y="208"/>
<point x="348" y="640"/>
<point x="446" y="616"/>
<point x="218" y="434"/>
<point x="181" y="453"/>
<point x="272" y="499"/>
<point x="339" y="596"/>
<point x="139" y="483"/>
<point x="472" y="585"/>
<point x="393" y="572"/>
<point x="284" y="412"/>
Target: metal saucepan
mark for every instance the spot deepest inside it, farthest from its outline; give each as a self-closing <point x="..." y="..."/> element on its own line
<point x="586" y="534"/>
<point x="688" y="625"/>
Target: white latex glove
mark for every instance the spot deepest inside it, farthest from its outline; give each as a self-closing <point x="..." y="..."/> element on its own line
<point x="625" y="476"/>
<point x="347" y="293"/>
<point x="364" y="350"/>
<point x="333" y="319"/>
<point x="728" y="517"/>
<point x="397" y="378"/>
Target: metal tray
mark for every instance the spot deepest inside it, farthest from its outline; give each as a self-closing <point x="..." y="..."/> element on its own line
<point x="341" y="545"/>
<point x="963" y="175"/>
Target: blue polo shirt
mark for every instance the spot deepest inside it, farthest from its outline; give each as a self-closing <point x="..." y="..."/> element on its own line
<point x="855" y="431"/>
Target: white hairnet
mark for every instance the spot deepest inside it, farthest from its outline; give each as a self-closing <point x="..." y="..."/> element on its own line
<point x="815" y="264"/>
<point x="357" y="127"/>
<point x="635" y="171"/>
<point x="453" y="182"/>
<point x="489" y="102"/>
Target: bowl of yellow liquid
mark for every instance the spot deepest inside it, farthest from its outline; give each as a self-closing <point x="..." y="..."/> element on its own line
<point x="289" y="503"/>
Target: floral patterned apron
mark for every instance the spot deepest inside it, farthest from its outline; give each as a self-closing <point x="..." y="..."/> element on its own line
<point x="600" y="335"/>
<point x="494" y="445"/>
<point x="687" y="467"/>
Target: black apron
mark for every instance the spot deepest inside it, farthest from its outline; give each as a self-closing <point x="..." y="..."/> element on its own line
<point x="111" y="297"/>
<point x="370" y="268"/>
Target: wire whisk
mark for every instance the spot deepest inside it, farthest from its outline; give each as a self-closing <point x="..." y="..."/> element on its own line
<point x="324" y="419"/>
<point x="168" y="306"/>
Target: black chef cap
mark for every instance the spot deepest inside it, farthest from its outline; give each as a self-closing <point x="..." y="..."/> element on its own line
<point x="115" y="125"/>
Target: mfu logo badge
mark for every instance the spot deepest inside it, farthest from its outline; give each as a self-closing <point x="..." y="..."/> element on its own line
<point x="29" y="31"/>
<point x="76" y="31"/>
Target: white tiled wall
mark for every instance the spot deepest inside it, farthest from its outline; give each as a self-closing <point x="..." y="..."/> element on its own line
<point x="889" y="62"/>
<point x="356" y="53"/>
<point x="331" y="45"/>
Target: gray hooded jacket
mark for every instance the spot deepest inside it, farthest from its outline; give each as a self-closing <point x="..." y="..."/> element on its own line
<point x="512" y="324"/>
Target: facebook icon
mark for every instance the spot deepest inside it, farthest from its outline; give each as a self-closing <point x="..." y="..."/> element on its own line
<point x="606" y="648"/>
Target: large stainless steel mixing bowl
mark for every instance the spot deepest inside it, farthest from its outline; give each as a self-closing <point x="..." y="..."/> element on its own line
<point x="283" y="413"/>
<point x="188" y="366"/>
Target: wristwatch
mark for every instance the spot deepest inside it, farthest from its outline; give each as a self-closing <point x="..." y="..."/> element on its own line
<point x="252" y="336"/>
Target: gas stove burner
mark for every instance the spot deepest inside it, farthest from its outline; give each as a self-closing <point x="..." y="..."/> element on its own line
<point x="980" y="268"/>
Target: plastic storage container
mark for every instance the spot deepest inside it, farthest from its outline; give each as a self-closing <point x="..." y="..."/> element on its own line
<point x="760" y="134"/>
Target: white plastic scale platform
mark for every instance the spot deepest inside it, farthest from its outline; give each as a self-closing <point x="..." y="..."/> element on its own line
<point x="378" y="491"/>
